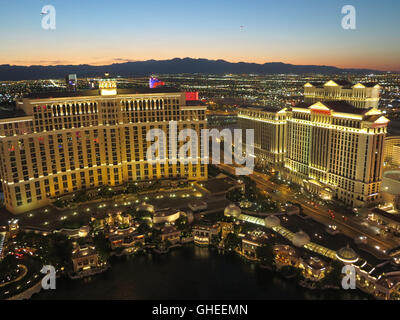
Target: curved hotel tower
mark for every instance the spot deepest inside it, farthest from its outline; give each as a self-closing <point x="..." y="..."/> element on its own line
<point x="68" y="141"/>
<point x="331" y="146"/>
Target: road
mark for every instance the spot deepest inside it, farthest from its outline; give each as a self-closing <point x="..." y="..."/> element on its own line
<point x="349" y="227"/>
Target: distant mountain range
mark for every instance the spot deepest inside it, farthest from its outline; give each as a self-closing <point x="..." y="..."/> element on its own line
<point x="177" y="65"/>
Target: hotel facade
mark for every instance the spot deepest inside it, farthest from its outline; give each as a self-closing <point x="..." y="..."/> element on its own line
<point x="392" y="150"/>
<point x="331" y="147"/>
<point x="69" y="141"/>
<point x="270" y="131"/>
<point x="360" y="95"/>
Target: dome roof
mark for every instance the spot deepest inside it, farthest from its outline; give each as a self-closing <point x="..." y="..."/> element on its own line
<point x="145" y="207"/>
<point x="83" y="231"/>
<point x="347" y="255"/>
<point x="232" y="211"/>
<point x="300" y="239"/>
<point x="315" y="263"/>
<point x="272" y="221"/>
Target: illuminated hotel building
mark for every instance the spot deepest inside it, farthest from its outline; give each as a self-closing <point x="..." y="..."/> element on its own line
<point x="392" y="145"/>
<point x="65" y="142"/>
<point x="360" y="95"/>
<point x="269" y="126"/>
<point x="336" y="150"/>
<point x="331" y="147"/>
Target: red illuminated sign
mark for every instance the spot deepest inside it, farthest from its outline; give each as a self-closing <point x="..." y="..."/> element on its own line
<point x="379" y="125"/>
<point x="158" y="84"/>
<point x="190" y="96"/>
<point x="325" y="112"/>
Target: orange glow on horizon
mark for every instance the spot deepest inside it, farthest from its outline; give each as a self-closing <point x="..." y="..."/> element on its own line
<point x="339" y="63"/>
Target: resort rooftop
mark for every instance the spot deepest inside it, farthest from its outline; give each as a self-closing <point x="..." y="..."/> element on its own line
<point x="96" y="92"/>
<point x="337" y="106"/>
<point x="345" y="84"/>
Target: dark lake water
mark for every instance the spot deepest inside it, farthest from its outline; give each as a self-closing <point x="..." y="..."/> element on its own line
<point x="187" y="273"/>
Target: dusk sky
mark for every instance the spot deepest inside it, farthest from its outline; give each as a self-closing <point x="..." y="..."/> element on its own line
<point x="290" y="31"/>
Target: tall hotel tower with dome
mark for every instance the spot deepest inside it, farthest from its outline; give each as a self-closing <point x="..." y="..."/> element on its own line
<point x="62" y="142"/>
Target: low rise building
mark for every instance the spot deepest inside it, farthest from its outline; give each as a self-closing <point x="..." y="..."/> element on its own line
<point x="203" y="233"/>
<point x="171" y="234"/>
<point x="385" y="219"/>
<point x="314" y="268"/>
<point x="84" y="258"/>
<point x="166" y="215"/>
<point x="382" y="280"/>
<point x="128" y="239"/>
<point x="286" y="255"/>
<point x="226" y="228"/>
<point x="145" y="207"/>
<point x="251" y="242"/>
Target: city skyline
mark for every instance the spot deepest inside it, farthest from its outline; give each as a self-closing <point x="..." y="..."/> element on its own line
<point x="121" y="31"/>
<point x="75" y="168"/>
<point x="199" y="150"/>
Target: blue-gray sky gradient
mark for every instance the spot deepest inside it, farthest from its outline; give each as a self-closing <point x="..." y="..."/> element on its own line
<point x="291" y="31"/>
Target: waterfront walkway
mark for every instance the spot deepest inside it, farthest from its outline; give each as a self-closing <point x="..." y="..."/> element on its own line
<point x="331" y="254"/>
